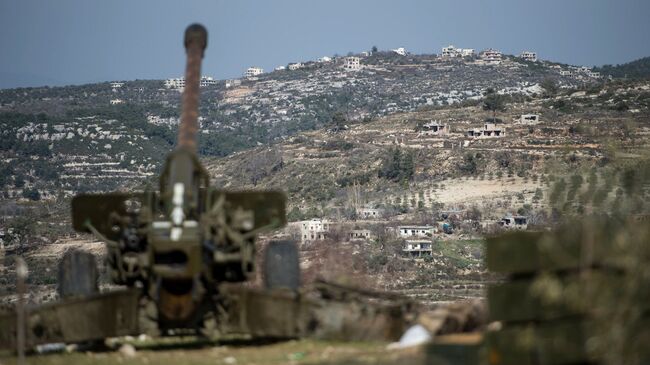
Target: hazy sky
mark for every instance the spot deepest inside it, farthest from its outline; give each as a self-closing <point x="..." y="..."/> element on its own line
<point x="58" y="42"/>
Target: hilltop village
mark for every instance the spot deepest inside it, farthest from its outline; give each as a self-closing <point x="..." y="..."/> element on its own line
<point x="396" y="165"/>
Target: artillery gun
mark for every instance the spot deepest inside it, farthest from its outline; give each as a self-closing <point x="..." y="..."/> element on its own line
<point x="176" y="245"/>
<point x="182" y="254"/>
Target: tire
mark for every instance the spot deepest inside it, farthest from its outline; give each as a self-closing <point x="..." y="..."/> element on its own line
<point x="78" y="274"/>
<point x="281" y="265"/>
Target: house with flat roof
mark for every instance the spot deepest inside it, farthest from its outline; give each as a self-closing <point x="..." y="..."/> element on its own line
<point x="352" y="64"/>
<point x="528" y="56"/>
<point x="434" y="128"/>
<point x="253" y="71"/>
<point x="418" y="248"/>
<point x="489" y="130"/>
<point x="514" y="222"/>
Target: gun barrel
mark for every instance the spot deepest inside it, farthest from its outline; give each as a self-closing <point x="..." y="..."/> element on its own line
<point x="196" y="40"/>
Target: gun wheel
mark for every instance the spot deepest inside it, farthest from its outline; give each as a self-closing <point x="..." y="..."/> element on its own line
<point x="281" y="265"/>
<point x="78" y="274"/>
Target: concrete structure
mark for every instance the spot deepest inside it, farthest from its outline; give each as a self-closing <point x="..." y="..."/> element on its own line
<point x="529" y="119"/>
<point x="280" y="68"/>
<point x="594" y="74"/>
<point x="418" y="248"/>
<point x="314" y="229"/>
<point x="116" y="85"/>
<point x="207" y="81"/>
<point x="178" y="83"/>
<point x="325" y="59"/>
<point x="413" y="232"/>
<point x="434" y="129"/>
<point x="529" y="56"/>
<point x="295" y="66"/>
<point x="514" y="222"/>
<point x="352" y="64"/>
<point x="253" y="71"/>
<point x="117" y="101"/>
<point x="233" y="83"/>
<point x="489" y="130"/>
<point x="452" y="52"/>
<point x="491" y="56"/>
<point x="360" y="235"/>
<point x="400" y="51"/>
<point x="370" y="213"/>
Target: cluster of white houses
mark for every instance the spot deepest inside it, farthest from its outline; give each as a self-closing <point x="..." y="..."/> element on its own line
<point x="579" y="72"/>
<point x="418" y="240"/>
<point x="452" y="52"/>
<point x="179" y="83"/>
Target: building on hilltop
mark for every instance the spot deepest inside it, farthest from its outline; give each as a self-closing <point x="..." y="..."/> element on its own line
<point x="452" y="52"/>
<point x="253" y="71"/>
<point x="528" y="56"/>
<point x="178" y="83"/>
<point x="491" y="56"/>
<point x="352" y="64"/>
<point x="116" y="85"/>
<point x="280" y="68"/>
<point x="233" y="83"/>
<point x="295" y="66"/>
<point x="400" y="51"/>
<point x="207" y="81"/>
<point x="325" y="59"/>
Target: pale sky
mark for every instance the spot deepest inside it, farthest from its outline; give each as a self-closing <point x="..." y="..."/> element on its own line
<point x="46" y="42"/>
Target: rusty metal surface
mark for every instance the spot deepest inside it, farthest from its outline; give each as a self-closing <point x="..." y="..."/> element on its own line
<point x="196" y="38"/>
<point x="100" y="316"/>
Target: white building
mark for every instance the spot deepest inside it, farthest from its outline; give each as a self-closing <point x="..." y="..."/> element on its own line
<point x="295" y="66"/>
<point x="117" y="101"/>
<point x="594" y="74"/>
<point x="434" y="129"/>
<point x="207" y="81"/>
<point x="400" y="51"/>
<point x="418" y="248"/>
<point x="178" y="83"/>
<point x="325" y="59"/>
<point x="529" y="56"/>
<point x="360" y="235"/>
<point x="352" y="64"/>
<point x="314" y="229"/>
<point x="489" y="130"/>
<point x="566" y="73"/>
<point x="529" y="119"/>
<point x="233" y="83"/>
<point x="370" y="213"/>
<point x="280" y="68"/>
<point x="413" y="232"/>
<point x="452" y="52"/>
<point x="515" y="222"/>
<point x="253" y="71"/>
<point x="116" y="85"/>
<point x="491" y="56"/>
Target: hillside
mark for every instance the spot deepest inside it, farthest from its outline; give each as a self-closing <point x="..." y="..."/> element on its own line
<point x="54" y="139"/>
<point x="639" y="69"/>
